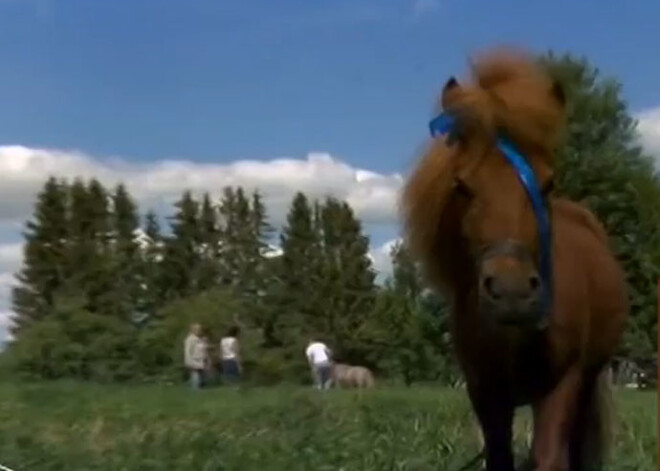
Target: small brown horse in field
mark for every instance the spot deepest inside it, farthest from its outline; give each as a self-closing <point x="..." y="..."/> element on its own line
<point x="347" y="376"/>
<point x="527" y="329"/>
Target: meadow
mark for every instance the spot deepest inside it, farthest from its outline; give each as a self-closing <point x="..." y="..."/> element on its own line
<point x="73" y="426"/>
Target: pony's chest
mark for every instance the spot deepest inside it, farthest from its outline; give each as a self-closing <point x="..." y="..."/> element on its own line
<point x="530" y="373"/>
<point x="520" y="365"/>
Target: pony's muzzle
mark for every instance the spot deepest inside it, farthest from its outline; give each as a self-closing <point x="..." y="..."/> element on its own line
<point x="510" y="288"/>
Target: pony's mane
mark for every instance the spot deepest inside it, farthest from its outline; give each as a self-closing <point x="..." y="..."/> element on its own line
<point x="424" y="200"/>
<point x="509" y="94"/>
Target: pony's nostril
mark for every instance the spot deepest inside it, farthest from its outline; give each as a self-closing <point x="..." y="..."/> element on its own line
<point x="489" y="286"/>
<point x="534" y="283"/>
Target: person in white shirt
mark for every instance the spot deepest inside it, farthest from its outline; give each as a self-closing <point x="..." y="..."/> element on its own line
<point x="194" y="354"/>
<point x="319" y="359"/>
<point x="229" y="355"/>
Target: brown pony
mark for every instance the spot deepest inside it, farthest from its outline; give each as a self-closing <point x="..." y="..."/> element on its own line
<point x="470" y="222"/>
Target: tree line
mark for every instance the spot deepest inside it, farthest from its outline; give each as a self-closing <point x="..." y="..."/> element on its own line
<point x="105" y="293"/>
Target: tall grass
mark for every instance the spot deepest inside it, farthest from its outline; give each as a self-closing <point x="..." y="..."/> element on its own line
<point x="58" y="426"/>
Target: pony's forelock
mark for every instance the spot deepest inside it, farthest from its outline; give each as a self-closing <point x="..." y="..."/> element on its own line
<point x="511" y="93"/>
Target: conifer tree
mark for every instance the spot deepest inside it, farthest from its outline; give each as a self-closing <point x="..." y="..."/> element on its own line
<point x="209" y="270"/>
<point x="254" y="244"/>
<point x="297" y="273"/>
<point x="84" y="262"/>
<point x="348" y="277"/>
<point x="152" y="253"/>
<point x="181" y="258"/>
<point x="260" y="270"/>
<point x="98" y="211"/>
<point x="126" y="263"/>
<point x="44" y="256"/>
<point x="245" y="231"/>
<point x="126" y="223"/>
<point x="242" y="244"/>
<point x="228" y="235"/>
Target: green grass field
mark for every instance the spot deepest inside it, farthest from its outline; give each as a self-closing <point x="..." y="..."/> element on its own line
<point x="65" y="426"/>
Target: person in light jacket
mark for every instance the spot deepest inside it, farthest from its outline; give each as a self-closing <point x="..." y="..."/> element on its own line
<point x="194" y="353"/>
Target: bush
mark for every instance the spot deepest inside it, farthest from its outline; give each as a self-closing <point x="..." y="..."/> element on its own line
<point x="76" y="343"/>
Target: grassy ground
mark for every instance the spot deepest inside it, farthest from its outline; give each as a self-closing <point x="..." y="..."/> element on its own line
<point x="88" y="427"/>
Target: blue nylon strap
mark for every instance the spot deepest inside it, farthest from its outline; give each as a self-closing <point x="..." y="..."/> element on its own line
<point x="443" y="124"/>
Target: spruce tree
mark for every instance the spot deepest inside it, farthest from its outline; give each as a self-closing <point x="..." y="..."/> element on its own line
<point x="297" y="274"/>
<point x="254" y="242"/>
<point x="209" y="270"/>
<point x="90" y="257"/>
<point x="81" y="251"/>
<point x="244" y="234"/>
<point x="126" y="263"/>
<point x="348" y="277"/>
<point x="152" y="226"/>
<point x="125" y="222"/>
<point x="153" y="293"/>
<point x="181" y="258"/>
<point x="98" y="210"/>
<point x="228" y="237"/>
<point x="262" y="231"/>
<point x="260" y="270"/>
<point x="44" y="256"/>
<point x="242" y="244"/>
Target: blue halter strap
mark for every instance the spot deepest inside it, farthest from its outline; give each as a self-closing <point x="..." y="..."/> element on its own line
<point x="443" y="124"/>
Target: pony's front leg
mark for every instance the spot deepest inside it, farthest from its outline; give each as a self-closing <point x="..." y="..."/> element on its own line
<point x="553" y="419"/>
<point x="495" y="415"/>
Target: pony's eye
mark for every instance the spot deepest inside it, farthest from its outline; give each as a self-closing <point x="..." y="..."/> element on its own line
<point x="548" y="186"/>
<point x="454" y="137"/>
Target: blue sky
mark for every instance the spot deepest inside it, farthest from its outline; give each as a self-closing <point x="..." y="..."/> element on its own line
<point x="131" y="85"/>
<point x="221" y="80"/>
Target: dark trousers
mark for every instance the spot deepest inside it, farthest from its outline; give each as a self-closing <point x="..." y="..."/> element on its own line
<point x="322" y="375"/>
<point x="230" y="371"/>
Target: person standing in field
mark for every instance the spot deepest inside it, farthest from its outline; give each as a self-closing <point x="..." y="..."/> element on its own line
<point x="194" y="353"/>
<point x="229" y="355"/>
<point x="318" y="357"/>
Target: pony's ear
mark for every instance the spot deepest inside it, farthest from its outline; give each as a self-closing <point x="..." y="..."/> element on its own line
<point x="451" y="86"/>
<point x="558" y="92"/>
<point x="451" y="83"/>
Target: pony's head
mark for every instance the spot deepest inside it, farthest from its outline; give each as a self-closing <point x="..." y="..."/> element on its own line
<point x="467" y="215"/>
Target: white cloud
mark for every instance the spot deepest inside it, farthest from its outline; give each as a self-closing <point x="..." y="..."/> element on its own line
<point x="7" y="281"/>
<point x="649" y="129"/>
<point x="156" y="185"/>
<point x="23" y="171"/>
<point x="10" y="260"/>
<point x="10" y="256"/>
<point x="5" y="324"/>
<point x="381" y="257"/>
